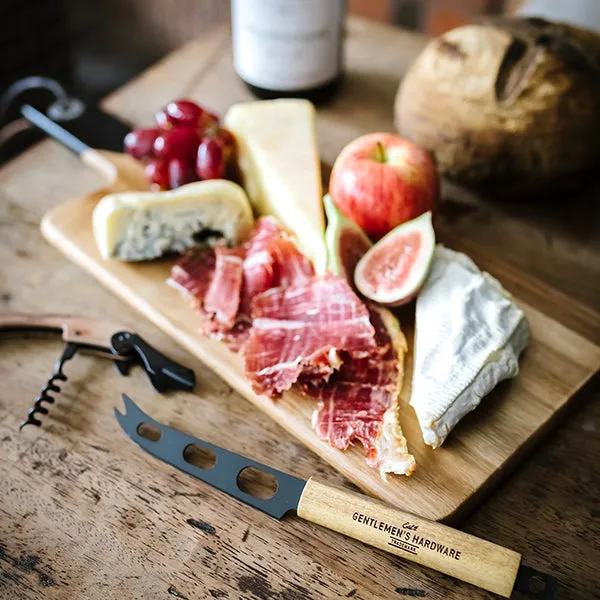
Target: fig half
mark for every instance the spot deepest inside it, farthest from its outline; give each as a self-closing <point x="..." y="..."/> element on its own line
<point x="346" y="241"/>
<point x="392" y="272"/>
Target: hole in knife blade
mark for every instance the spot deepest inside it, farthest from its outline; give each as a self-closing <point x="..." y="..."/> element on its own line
<point x="257" y="483"/>
<point x="149" y="432"/>
<point x="204" y="458"/>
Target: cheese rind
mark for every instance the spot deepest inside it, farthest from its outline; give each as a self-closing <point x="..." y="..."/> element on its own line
<point x="469" y="336"/>
<point x="135" y="226"/>
<point x="279" y="161"/>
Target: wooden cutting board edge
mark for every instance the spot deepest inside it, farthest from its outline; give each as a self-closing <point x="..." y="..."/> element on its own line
<point x="516" y="460"/>
<point x="331" y="455"/>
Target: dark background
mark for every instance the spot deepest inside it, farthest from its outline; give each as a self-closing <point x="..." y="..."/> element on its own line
<point x="94" y="46"/>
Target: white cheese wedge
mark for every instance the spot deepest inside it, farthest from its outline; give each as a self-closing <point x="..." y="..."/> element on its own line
<point x="469" y="335"/>
<point x="136" y="226"/>
<point x="279" y="161"/>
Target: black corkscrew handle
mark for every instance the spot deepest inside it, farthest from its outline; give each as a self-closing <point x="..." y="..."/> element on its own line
<point x="164" y="374"/>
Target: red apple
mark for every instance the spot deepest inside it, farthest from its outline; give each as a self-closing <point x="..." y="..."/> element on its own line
<point x="381" y="180"/>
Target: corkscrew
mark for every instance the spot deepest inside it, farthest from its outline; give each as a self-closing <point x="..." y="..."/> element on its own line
<point x="99" y="338"/>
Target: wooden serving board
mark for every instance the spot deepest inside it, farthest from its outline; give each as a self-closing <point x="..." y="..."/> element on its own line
<point x="478" y="453"/>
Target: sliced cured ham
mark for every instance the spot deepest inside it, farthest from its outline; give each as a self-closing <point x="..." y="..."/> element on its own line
<point x="222" y="282"/>
<point x="360" y="400"/>
<point x="272" y="260"/>
<point x="211" y="280"/>
<point x="192" y="274"/>
<point x="236" y="337"/>
<point x="224" y="291"/>
<point x="301" y="330"/>
<point x="294" y="328"/>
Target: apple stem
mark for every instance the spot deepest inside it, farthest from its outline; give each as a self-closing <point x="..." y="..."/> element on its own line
<point x="380" y="153"/>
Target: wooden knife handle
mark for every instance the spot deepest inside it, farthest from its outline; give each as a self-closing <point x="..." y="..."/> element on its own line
<point x="123" y="172"/>
<point x="427" y="543"/>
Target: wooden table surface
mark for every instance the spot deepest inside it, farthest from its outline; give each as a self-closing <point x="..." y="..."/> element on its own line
<point x="86" y="514"/>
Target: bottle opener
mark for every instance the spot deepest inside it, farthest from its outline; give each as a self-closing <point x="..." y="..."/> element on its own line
<point x="100" y="338"/>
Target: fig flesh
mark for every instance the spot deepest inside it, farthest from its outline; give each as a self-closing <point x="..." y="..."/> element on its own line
<point x="392" y="272"/>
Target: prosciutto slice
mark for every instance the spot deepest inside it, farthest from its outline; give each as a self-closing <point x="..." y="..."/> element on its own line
<point x="221" y="282"/>
<point x="294" y="328"/>
<point x="360" y="400"/>
<point x="211" y="280"/>
<point x="224" y="291"/>
<point x="236" y="337"/>
<point x="193" y="273"/>
<point x="300" y="331"/>
<point x="272" y="260"/>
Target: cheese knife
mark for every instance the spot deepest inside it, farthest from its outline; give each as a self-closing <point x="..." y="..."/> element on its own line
<point x="428" y="543"/>
<point x="97" y="139"/>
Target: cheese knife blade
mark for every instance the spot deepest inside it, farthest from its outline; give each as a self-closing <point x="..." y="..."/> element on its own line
<point x="460" y="555"/>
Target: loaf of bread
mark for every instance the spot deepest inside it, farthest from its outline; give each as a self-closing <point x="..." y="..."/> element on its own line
<point x="513" y="101"/>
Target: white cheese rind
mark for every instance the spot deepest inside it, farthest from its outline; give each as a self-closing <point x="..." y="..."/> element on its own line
<point x="279" y="161"/>
<point x="135" y="226"/>
<point x="469" y="336"/>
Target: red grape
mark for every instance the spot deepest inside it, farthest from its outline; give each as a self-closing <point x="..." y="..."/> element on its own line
<point x="180" y="173"/>
<point x="228" y="141"/>
<point x="179" y="142"/>
<point x="157" y="172"/>
<point x="180" y="112"/>
<point x="139" y="142"/>
<point x="210" y="163"/>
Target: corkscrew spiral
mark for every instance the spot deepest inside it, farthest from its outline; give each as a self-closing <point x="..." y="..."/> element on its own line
<point x="50" y="387"/>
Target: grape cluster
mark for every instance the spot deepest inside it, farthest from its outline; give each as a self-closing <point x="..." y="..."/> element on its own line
<point x="186" y="145"/>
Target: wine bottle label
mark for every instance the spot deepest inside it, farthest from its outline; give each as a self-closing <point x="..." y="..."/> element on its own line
<point x="287" y="45"/>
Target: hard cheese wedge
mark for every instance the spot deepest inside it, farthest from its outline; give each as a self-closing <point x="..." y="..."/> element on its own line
<point x="469" y="335"/>
<point x="144" y="225"/>
<point x="279" y="160"/>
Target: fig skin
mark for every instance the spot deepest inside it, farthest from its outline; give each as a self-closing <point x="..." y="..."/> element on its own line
<point x="339" y="226"/>
<point x="422" y="260"/>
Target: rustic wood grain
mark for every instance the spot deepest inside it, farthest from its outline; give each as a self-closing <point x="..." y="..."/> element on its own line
<point x="86" y="514"/>
<point x="446" y="480"/>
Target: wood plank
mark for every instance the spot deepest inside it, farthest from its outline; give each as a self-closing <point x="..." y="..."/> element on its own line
<point x="446" y="479"/>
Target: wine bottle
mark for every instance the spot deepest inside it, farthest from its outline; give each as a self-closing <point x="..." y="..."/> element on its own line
<point x="289" y="48"/>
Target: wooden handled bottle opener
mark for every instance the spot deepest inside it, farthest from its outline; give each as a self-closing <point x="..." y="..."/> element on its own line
<point x="101" y="338"/>
<point x="408" y="536"/>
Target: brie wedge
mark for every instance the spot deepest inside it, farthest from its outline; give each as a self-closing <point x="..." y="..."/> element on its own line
<point x="279" y="161"/>
<point x="144" y="225"/>
<point x="469" y="334"/>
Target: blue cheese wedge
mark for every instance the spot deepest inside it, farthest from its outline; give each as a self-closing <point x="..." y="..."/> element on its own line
<point x="469" y="335"/>
<point x="134" y="226"/>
